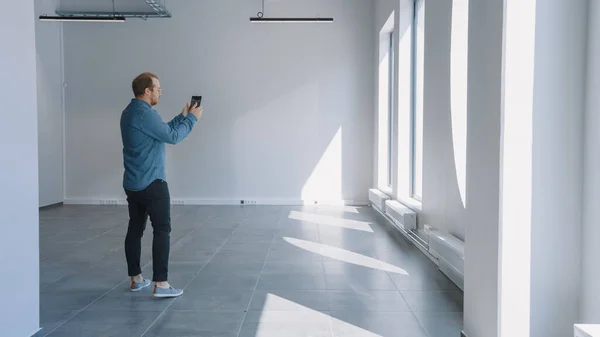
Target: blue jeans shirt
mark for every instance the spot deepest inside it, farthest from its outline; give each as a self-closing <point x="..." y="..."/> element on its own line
<point x="144" y="135"/>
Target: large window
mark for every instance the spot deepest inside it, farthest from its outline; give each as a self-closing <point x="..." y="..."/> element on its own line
<point x="416" y="185"/>
<point x="459" y="48"/>
<point x="390" y="90"/>
<point x="386" y="149"/>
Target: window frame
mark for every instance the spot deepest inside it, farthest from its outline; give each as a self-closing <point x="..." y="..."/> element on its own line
<point x="413" y="106"/>
<point x="390" y="130"/>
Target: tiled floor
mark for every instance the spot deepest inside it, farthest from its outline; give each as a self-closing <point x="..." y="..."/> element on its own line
<point x="252" y="271"/>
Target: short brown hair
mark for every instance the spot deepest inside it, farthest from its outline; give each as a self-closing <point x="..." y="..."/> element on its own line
<point x="142" y="82"/>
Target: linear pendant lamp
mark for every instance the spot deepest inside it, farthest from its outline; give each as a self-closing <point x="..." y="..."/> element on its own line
<point x="259" y="18"/>
<point x="83" y="18"/>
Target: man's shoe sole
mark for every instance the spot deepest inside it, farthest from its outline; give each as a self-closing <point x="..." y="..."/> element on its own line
<point x="168" y="295"/>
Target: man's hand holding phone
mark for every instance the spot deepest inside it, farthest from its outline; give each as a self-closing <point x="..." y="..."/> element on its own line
<point x="185" y="110"/>
<point x="196" y="110"/>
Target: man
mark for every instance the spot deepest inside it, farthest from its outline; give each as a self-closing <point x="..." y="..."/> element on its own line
<point x="144" y="135"/>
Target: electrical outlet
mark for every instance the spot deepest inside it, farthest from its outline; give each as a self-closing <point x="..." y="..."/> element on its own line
<point x="178" y="202"/>
<point x="109" y="202"/>
<point x="248" y="202"/>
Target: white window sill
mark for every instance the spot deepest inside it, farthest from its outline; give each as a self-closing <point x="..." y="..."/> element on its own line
<point x="412" y="203"/>
<point x="387" y="190"/>
<point x="409" y="202"/>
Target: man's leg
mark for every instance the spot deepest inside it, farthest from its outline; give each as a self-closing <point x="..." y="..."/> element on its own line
<point x="133" y="241"/>
<point x="160" y="215"/>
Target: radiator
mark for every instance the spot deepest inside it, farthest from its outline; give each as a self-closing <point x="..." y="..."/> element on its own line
<point x="378" y="199"/>
<point x="402" y="215"/>
<point x="450" y="254"/>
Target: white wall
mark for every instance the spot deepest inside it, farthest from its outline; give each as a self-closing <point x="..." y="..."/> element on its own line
<point x="287" y="108"/>
<point x="19" y="251"/>
<point x="590" y="272"/>
<point x="49" y="100"/>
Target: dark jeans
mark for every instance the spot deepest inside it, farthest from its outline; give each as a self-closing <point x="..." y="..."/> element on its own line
<point x="153" y="201"/>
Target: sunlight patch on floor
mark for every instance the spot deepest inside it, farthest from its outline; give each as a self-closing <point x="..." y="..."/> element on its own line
<point x="331" y="221"/>
<point x="345" y="255"/>
<point x="279" y="312"/>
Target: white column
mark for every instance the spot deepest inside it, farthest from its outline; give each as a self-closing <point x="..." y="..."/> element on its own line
<point x="590" y="274"/>
<point x="516" y="148"/>
<point x="19" y="248"/>
<point x="558" y="110"/>
<point x="524" y="188"/>
<point x="483" y="163"/>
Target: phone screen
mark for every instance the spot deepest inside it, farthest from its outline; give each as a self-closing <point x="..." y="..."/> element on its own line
<point x="196" y="99"/>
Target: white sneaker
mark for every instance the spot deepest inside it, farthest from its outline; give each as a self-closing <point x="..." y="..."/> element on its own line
<point x="167" y="292"/>
<point x="137" y="286"/>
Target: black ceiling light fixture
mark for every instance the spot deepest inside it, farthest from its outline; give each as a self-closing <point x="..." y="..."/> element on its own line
<point x="86" y="18"/>
<point x="259" y="18"/>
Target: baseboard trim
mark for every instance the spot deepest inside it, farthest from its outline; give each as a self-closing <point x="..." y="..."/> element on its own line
<point x="224" y="202"/>
<point x="49" y="206"/>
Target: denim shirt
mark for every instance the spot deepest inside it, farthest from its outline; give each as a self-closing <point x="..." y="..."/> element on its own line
<point x="144" y="134"/>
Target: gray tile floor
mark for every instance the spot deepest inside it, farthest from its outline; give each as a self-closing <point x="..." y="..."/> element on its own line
<point x="252" y="271"/>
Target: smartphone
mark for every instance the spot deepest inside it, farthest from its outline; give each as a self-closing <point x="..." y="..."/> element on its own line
<point x="196" y="99"/>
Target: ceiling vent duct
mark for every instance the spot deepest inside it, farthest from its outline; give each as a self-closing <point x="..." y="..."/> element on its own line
<point x="158" y="11"/>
